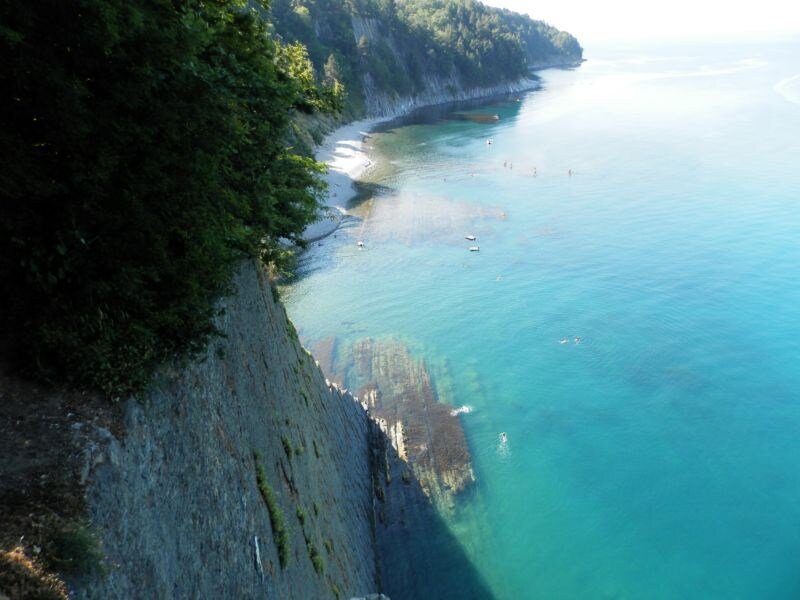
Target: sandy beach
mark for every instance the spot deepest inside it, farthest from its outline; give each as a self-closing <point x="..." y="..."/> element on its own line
<point x="344" y="154"/>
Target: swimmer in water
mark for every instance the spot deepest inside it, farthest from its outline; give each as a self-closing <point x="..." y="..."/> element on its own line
<point x="577" y="339"/>
<point x="569" y="172"/>
<point x="503" y="437"/>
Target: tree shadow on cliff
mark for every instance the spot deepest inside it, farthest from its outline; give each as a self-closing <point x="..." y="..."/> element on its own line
<point x="418" y="556"/>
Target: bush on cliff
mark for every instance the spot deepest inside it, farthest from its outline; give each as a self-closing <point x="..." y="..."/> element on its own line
<point x="142" y="159"/>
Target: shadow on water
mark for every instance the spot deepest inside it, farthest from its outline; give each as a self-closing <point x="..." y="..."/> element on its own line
<point x="366" y="190"/>
<point x="428" y="115"/>
<point x="418" y="555"/>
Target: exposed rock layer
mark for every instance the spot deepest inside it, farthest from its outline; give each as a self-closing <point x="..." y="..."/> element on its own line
<point x="176" y="500"/>
<point x="400" y="396"/>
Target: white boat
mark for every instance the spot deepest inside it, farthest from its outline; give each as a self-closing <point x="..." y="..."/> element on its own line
<point x="474" y="248"/>
<point x="471" y="238"/>
<point x="360" y="244"/>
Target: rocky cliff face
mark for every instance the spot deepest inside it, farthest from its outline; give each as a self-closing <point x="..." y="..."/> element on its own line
<point x="178" y="500"/>
<point x="435" y="90"/>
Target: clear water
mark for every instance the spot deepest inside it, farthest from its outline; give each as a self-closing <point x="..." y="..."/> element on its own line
<point x="660" y="457"/>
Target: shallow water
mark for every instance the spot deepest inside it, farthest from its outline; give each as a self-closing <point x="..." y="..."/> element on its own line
<point x="660" y="456"/>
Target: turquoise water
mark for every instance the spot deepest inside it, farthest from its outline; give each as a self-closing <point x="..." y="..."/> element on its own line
<point x="660" y="457"/>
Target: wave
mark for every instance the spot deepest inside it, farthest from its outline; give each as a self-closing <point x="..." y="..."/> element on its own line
<point x="790" y="92"/>
<point x="461" y="409"/>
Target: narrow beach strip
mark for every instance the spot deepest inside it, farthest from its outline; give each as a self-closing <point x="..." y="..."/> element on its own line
<point x="343" y="152"/>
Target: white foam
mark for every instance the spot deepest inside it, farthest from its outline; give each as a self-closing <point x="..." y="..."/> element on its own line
<point x="789" y="88"/>
<point x="461" y="409"/>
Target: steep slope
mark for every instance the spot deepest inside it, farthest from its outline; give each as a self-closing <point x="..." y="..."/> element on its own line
<point x="393" y="55"/>
<point x="176" y="500"/>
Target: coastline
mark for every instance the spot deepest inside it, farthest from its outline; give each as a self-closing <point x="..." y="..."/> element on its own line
<point x="344" y="154"/>
<point x="346" y="160"/>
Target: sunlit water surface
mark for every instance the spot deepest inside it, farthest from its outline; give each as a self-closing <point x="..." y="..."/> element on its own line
<point x="660" y="456"/>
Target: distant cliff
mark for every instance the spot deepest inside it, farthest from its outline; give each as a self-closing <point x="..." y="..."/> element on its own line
<point x="395" y="55"/>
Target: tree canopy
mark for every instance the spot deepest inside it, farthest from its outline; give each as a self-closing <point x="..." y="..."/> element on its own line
<point x="143" y="156"/>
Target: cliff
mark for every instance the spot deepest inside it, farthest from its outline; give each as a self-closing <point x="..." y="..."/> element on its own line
<point x="245" y="474"/>
<point x="433" y="87"/>
<point x="240" y="475"/>
<point x="177" y="497"/>
<point x="395" y="56"/>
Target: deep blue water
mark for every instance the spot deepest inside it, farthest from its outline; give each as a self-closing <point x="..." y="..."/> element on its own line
<point x="660" y="457"/>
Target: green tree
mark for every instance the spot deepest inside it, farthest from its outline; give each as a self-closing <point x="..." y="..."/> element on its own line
<point x="332" y="70"/>
<point x="142" y="159"/>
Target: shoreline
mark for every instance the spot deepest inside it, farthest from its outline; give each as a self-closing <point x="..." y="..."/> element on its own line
<point x="343" y="153"/>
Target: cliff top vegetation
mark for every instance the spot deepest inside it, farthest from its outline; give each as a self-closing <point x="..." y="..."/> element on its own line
<point x="144" y="156"/>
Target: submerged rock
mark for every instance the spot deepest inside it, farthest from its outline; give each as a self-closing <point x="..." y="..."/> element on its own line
<point x="398" y="392"/>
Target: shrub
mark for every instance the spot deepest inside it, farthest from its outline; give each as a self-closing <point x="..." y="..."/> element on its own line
<point x="279" y="533"/>
<point x="75" y="550"/>
<point x="316" y="558"/>
<point x="287" y="447"/>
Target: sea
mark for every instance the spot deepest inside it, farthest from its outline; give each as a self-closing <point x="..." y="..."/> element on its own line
<point x="630" y="322"/>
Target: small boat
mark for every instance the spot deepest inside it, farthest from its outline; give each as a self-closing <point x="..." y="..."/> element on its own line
<point x="360" y="244"/>
<point x="496" y="117"/>
<point x="489" y="142"/>
<point x="471" y="238"/>
<point x="474" y="248"/>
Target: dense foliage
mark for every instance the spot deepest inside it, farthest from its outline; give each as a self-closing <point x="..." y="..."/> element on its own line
<point x="143" y="156"/>
<point x="398" y="43"/>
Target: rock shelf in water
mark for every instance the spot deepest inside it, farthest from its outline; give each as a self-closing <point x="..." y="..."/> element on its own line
<point x="399" y="393"/>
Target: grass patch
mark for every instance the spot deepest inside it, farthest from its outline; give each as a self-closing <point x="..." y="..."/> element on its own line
<point x="329" y="546"/>
<point x="22" y="577"/>
<point x="301" y="515"/>
<point x="279" y="534"/>
<point x="336" y="592"/>
<point x="316" y="558"/>
<point x="287" y="447"/>
<point x="315" y="506"/>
